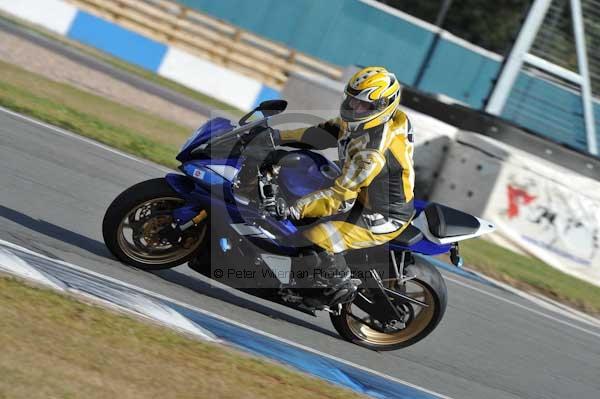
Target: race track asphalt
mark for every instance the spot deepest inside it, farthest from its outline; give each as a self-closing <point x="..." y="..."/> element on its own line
<point x="54" y="189"/>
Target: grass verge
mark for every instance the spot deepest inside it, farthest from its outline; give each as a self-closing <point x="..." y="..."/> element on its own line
<point x="156" y="139"/>
<point x="128" y="129"/>
<point x="133" y="69"/>
<point x="531" y="274"/>
<point x="55" y="346"/>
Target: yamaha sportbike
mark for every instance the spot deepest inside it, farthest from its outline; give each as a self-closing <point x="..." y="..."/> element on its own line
<point x="218" y="215"/>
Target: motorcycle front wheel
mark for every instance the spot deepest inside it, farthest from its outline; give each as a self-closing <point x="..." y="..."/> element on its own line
<point x="133" y="221"/>
<point x="426" y="286"/>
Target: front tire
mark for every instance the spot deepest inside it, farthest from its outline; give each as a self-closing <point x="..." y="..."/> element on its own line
<point x="421" y="323"/>
<point x="134" y="219"/>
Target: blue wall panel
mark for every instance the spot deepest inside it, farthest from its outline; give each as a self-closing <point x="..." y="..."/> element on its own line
<point x="460" y="73"/>
<point x="117" y="41"/>
<point x="343" y="32"/>
<point x="547" y="108"/>
<point x="347" y="32"/>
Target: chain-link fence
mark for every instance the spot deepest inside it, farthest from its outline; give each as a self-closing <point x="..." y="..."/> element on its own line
<point x="550" y="104"/>
<point x="491" y="24"/>
<point x="541" y="101"/>
<point x="555" y="42"/>
<point x="495" y="24"/>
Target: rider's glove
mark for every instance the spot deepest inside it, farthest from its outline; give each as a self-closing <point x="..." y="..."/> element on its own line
<point x="293" y="212"/>
<point x="277" y="207"/>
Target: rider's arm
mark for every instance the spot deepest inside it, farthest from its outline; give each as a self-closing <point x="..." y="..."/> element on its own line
<point x="319" y="137"/>
<point x="357" y="173"/>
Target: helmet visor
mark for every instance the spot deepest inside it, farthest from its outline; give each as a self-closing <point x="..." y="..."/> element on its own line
<point x="354" y="109"/>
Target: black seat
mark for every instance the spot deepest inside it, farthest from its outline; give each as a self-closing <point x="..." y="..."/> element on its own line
<point x="410" y="236"/>
<point x="444" y="221"/>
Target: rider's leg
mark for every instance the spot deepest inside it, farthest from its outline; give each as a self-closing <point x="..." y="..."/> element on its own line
<point x="330" y="240"/>
<point x="338" y="236"/>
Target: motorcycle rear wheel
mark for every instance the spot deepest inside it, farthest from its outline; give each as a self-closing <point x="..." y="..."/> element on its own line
<point x="421" y="321"/>
<point x="133" y="220"/>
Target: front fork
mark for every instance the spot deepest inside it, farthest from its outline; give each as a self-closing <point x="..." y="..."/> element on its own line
<point x="189" y="215"/>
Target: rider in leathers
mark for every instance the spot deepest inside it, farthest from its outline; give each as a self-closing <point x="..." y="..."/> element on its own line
<point x="373" y="197"/>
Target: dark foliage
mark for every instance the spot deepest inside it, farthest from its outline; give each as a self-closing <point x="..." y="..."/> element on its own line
<point x="491" y="24"/>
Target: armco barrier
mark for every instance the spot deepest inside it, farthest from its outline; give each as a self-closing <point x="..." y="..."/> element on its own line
<point x="63" y="18"/>
<point x="541" y="208"/>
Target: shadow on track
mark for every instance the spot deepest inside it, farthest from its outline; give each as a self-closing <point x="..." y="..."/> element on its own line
<point x="56" y="232"/>
<point x="216" y="292"/>
<point x="98" y="248"/>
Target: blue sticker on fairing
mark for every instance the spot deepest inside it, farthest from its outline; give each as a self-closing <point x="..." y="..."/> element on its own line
<point x="203" y="174"/>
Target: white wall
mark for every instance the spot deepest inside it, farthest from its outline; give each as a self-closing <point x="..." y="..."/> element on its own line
<point x="221" y="83"/>
<point x="56" y="15"/>
<point x="543" y="209"/>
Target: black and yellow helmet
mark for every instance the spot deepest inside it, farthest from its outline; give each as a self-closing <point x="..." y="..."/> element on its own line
<point x="370" y="98"/>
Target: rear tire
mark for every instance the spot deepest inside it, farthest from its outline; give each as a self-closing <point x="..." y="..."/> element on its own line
<point x="432" y="282"/>
<point x="153" y="194"/>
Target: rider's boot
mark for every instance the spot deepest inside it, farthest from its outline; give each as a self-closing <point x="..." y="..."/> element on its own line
<point x="332" y="277"/>
<point x="334" y="274"/>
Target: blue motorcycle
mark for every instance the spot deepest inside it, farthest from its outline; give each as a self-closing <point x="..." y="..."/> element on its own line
<point x="218" y="216"/>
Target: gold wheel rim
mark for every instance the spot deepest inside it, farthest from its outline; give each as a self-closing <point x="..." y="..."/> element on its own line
<point x="140" y="248"/>
<point x="422" y="318"/>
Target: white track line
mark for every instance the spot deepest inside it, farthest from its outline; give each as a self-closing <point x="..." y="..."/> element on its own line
<point x="79" y="137"/>
<point x="221" y="318"/>
<point x="520" y="306"/>
<point x="564" y="309"/>
<point x="544" y="302"/>
<point x="11" y="263"/>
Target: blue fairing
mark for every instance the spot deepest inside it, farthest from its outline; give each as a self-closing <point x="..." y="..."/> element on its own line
<point x="212" y="128"/>
<point x="420" y="205"/>
<point x="303" y="175"/>
<point x="424" y="247"/>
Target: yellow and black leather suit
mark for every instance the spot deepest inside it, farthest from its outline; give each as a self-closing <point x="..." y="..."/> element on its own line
<point x="377" y="176"/>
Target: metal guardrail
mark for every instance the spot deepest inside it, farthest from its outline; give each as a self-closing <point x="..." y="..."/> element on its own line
<point x="210" y="38"/>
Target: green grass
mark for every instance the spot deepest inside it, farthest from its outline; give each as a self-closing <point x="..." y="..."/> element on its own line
<point x="137" y="132"/>
<point x="54" y="346"/>
<point x="131" y="68"/>
<point x="530" y="274"/>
